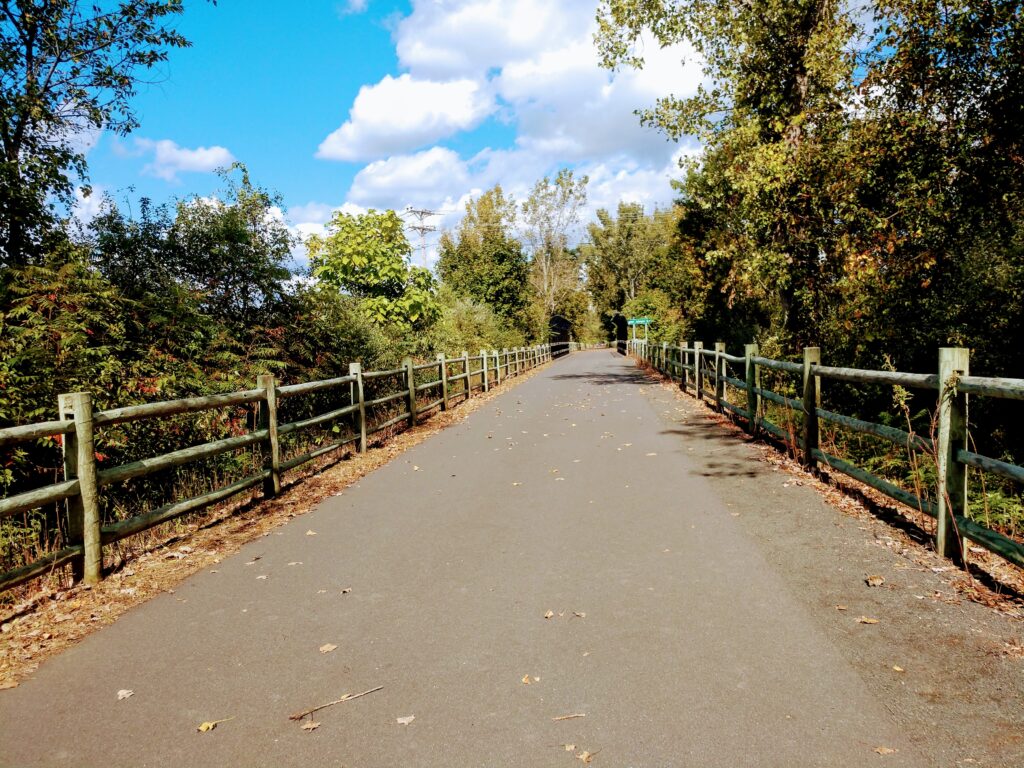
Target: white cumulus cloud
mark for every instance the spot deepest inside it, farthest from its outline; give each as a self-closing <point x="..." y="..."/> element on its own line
<point x="169" y="159"/>
<point x="532" y="65"/>
<point x="402" y="113"/>
<point x="423" y="178"/>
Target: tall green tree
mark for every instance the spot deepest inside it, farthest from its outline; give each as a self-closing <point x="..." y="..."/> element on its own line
<point x="484" y="261"/>
<point x="366" y="255"/>
<point x="777" y="77"/>
<point x="67" y="69"/>
<point x="625" y="252"/>
<point x="549" y="217"/>
<point x="233" y="250"/>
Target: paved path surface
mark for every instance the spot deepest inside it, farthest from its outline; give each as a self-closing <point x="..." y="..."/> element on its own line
<point x="570" y="493"/>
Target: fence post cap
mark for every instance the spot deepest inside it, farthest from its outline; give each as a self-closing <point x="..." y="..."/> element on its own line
<point x="66" y="401"/>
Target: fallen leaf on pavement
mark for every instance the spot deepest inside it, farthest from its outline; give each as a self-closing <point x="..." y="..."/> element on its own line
<point x="585" y="756"/>
<point x="569" y="717"/>
<point x="866" y="620"/>
<point x="211" y="724"/>
<point x="124" y="693"/>
<point x="549" y="614"/>
<point x="346" y="590"/>
<point x="526" y="679"/>
<point x="898" y="668"/>
<point x="884" y="750"/>
<point x="874" y="581"/>
<point x="327" y="648"/>
<point x="310" y="726"/>
<point x="311" y="533"/>
<point x="262" y="577"/>
<point x="841" y="608"/>
<point x="8" y="685"/>
<point x="579" y="614"/>
<point x="405" y="720"/>
<point x="569" y="747"/>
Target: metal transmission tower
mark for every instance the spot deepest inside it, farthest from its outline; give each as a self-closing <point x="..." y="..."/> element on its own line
<point x="421" y="214"/>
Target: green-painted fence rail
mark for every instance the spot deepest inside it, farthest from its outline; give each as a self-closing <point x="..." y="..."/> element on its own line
<point x="449" y="378"/>
<point x="702" y="371"/>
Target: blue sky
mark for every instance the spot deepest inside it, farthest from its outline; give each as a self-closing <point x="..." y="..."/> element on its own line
<point x="353" y="104"/>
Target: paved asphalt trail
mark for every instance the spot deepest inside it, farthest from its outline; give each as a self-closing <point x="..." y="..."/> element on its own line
<point x="567" y="493"/>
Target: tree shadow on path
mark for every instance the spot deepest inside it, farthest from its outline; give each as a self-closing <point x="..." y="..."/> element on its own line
<point x="604" y="378"/>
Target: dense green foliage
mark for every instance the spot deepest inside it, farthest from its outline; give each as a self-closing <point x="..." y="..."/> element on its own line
<point x="860" y="186"/>
<point x="366" y="256"/>
<point x="485" y="262"/>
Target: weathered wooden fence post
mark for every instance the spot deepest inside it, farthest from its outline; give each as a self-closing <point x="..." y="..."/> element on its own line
<point x="698" y="365"/>
<point x="683" y="357"/>
<point x="356" y="369"/>
<point x="442" y="365"/>
<point x="753" y="377"/>
<point x="663" y="355"/>
<point x="719" y="375"/>
<point x="468" y="377"/>
<point x="483" y="370"/>
<point x="83" y="508"/>
<point x="951" y="492"/>
<point x="811" y="397"/>
<point x="410" y="381"/>
<point x="497" y="365"/>
<point x="268" y="421"/>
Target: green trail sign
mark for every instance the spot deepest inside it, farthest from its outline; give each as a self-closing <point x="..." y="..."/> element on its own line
<point x="639" y="321"/>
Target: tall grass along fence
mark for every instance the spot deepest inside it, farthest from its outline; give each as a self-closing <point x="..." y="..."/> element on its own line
<point x="712" y="374"/>
<point x="347" y="410"/>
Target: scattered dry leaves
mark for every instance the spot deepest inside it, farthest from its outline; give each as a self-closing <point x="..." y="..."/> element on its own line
<point x="209" y="725"/>
<point x="327" y="647"/>
<point x="310" y="726"/>
<point x="866" y="620"/>
<point x="405" y="720"/>
<point x="124" y="693"/>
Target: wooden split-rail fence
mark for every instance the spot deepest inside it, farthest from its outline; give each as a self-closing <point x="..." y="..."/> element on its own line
<point x="83" y="482"/>
<point x="706" y="372"/>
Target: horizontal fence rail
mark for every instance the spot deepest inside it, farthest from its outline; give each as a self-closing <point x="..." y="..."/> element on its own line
<point x="705" y="372"/>
<point x="396" y="399"/>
